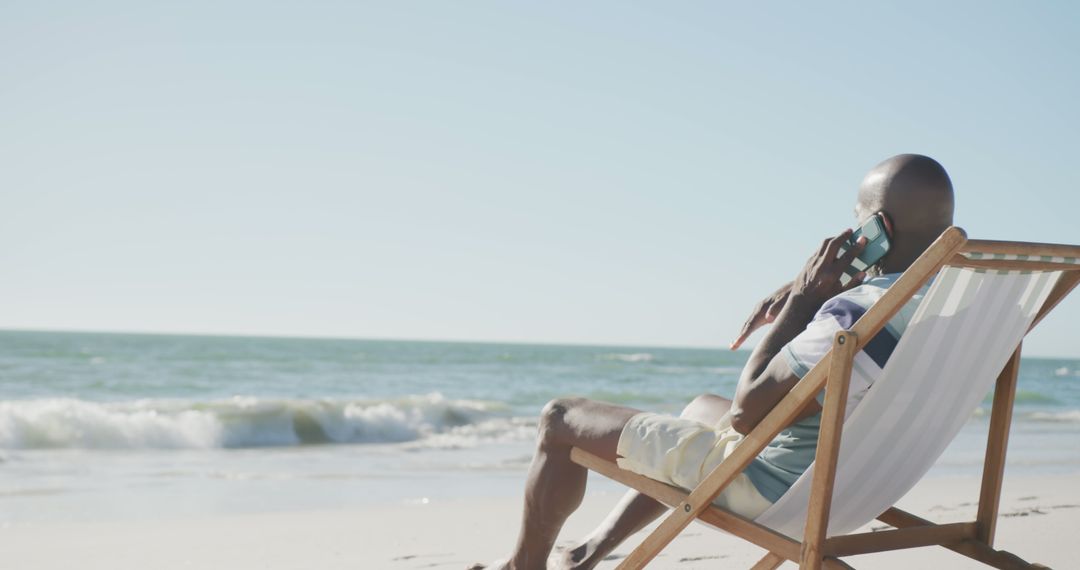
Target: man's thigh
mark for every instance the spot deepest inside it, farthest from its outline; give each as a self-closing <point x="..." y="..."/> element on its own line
<point x="596" y="426"/>
<point x="591" y="425"/>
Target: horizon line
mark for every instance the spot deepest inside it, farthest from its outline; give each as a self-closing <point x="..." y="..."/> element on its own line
<point x="284" y="336"/>
<point x="418" y="340"/>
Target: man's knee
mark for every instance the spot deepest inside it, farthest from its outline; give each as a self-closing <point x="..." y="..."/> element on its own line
<point x="695" y="407"/>
<point x="706" y="408"/>
<point x="553" y="427"/>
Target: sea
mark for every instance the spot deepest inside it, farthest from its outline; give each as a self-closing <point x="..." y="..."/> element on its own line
<point x="98" y="426"/>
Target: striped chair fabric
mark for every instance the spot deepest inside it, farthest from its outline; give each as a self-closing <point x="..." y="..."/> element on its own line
<point x="964" y="331"/>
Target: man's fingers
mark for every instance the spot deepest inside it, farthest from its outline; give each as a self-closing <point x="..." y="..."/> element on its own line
<point x="824" y="246"/>
<point x="752" y="324"/>
<point x="764" y="313"/>
<point x="853" y="251"/>
<point x="835" y="243"/>
<point x="743" y="335"/>
<point x="856" y="280"/>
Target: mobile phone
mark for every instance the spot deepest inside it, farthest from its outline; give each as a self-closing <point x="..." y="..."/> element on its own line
<point x="876" y="231"/>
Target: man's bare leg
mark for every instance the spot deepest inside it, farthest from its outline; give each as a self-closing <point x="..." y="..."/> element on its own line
<point x="556" y="485"/>
<point x="635" y="511"/>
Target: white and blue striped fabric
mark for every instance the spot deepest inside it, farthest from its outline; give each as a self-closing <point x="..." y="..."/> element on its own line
<point x="960" y="337"/>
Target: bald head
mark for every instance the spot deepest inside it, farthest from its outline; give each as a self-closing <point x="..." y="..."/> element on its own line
<point x="916" y="194"/>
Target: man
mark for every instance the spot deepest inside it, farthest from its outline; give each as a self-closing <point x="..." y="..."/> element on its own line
<point x="915" y="194"/>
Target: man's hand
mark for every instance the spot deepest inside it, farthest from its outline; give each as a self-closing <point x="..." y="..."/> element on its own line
<point x="819" y="279"/>
<point x="763" y="313"/>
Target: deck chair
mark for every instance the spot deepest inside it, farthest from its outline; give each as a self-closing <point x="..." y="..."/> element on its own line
<point x="984" y="298"/>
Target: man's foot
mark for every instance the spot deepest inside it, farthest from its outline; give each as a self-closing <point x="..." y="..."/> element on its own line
<point x="581" y="557"/>
<point x="496" y="565"/>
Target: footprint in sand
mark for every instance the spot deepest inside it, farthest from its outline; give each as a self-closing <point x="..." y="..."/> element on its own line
<point x="700" y="558"/>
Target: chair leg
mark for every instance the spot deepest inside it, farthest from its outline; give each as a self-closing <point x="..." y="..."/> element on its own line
<point x="996" y="443"/>
<point x="770" y="561"/>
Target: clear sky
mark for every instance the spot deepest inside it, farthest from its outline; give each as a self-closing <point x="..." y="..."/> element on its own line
<point x="594" y="172"/>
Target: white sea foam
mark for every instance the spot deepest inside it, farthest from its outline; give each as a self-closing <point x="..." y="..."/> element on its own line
<point x="429" y="420"/>
<point x="1064" y="416"/>
<point x="1058" y="416"/>
<point x="499" y="430"/>
<point x="628" y="357"/>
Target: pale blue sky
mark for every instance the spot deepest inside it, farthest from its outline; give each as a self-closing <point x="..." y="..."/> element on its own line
<point x="567" y="172"/>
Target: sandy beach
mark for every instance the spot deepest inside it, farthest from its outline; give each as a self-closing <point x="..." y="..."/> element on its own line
<point x="1039" y="519"/>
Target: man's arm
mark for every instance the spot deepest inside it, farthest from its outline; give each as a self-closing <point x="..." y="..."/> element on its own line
<point x="767" y="377"/>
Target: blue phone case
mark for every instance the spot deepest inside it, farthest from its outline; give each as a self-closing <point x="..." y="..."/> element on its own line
<point x="877" y="245"/>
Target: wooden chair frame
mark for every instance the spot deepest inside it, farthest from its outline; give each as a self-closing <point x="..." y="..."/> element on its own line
<point x="973" y="539"/>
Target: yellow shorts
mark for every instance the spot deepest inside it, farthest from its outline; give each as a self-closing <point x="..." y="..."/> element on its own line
<point x="682" y="452"/>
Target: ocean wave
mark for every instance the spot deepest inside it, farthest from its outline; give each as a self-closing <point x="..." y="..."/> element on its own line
<point x="1025" y="397"/>
<point x="242" y="421"/>
<point x="1063" y="416"/>
<point x="628" y="357"/>
<point x="1031" y="397"/>
<point x="498" y="430"/>
<point x="1036" y="416"/>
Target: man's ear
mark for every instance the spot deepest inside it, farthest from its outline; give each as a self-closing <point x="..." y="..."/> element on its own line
<point x="887" y="223"/>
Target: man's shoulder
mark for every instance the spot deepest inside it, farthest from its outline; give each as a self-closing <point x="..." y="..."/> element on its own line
<point x="859" y="299"/>
<point x="872" y="289"/>
<point x="853" y="303"/>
